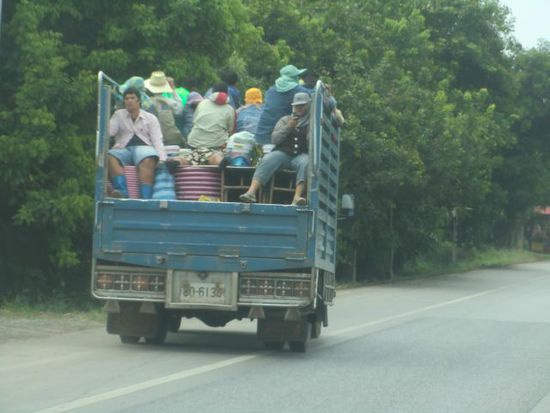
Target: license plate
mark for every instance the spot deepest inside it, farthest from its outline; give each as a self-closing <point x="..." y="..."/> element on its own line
<point x="203" y="292"/>
<point x="194" y="289"/>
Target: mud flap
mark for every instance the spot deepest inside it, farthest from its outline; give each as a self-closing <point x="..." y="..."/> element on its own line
<point x="133" y="323"/>
<point x="280" y="330"/>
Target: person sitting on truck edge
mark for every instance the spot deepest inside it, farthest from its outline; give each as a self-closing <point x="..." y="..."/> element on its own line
<point x="248" y="115"/>
<point x="213" y="122"/>
<point x="278" y="99"/>
<point x="290" y="137"/>
<point x="138" y="141"/>
<point x="166" y="108"/>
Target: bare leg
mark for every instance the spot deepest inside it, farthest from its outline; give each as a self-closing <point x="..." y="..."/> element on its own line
<point x="254" y="186"/>
<point x="299" y="190"/>
<point x="146" y="171"/>
<point x="215" y="159"/>
<point x="250" y="194"/>
<point x="182" y="161"/>
<point x="298" y="199"/>
<point x="115" y="168"/>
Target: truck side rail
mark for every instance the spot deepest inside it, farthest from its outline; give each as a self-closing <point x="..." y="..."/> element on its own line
<point x="323" y="171"/>
<point x="104" y="95"/>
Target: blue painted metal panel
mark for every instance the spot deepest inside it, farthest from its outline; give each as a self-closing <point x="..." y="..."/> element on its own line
<point x="204" y="236"/>
<point x="324" y="149"/>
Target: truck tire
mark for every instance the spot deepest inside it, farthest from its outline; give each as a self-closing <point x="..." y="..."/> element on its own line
<point x="129" y="339"/>
<point x="316" y="327"/>
<point x="162" y="330"/>
<point x="174" y="323"/>
<point x="297" y="346"/>
<point x="274" y="345"/>
<point x="158" y="340"/>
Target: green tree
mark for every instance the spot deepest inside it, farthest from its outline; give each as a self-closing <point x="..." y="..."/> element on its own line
<point x="51" y="52"/>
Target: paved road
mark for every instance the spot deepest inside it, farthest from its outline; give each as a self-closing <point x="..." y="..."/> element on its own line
<point x="464" y="343"/>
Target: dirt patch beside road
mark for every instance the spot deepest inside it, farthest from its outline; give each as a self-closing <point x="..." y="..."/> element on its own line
<point x="15" y="326"/>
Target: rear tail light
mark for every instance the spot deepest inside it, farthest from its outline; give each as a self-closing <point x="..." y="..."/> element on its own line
<point x="105" y="281"/>
<point x="130" y="282"/>
<point x="140" y="283"/>
<point x="275" y="288"/>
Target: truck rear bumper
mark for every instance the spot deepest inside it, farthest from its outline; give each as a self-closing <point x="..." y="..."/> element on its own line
<point x="202" y="290"/>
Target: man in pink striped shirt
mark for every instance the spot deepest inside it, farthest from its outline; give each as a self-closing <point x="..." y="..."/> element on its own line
<point x="138" y="141"/>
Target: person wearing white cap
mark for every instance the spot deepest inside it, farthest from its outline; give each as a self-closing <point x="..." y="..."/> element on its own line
<point x="278" y="99"/>
<point x="290" y="137"/>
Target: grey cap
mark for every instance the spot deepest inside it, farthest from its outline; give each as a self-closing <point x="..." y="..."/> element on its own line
<point x="301" y="98"/>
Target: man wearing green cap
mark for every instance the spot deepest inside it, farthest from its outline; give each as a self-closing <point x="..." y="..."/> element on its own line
<point x="278" y="102"/>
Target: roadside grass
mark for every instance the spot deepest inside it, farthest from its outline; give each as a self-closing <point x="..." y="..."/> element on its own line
<point x="473" y="260"/>
<point x="56" y="306"/>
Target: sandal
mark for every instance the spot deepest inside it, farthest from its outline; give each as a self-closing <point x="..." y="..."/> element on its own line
<point x="248" y="198"/>
<point x="299" y="201"/>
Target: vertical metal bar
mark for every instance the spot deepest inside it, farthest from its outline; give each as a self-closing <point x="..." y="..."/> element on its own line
<point x="0" y="24"/>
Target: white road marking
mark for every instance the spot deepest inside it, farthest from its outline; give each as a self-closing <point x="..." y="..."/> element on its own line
<point x="86" y="401"/>
<point x="413" y="312"/>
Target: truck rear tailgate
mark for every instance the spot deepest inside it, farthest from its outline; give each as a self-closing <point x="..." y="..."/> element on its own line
<point x="194" y="229"/>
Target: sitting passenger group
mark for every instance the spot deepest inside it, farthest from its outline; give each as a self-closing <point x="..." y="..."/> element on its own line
<point x="204" y="125"/>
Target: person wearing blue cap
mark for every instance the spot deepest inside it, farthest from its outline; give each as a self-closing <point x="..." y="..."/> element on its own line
<point x="290" y="137"/>
<point x="278" y="100"/>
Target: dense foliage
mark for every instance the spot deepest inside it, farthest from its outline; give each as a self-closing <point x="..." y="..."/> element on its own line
<point x="447" y="116"/>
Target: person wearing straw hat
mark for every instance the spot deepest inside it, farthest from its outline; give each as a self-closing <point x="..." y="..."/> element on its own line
<point x="166" y="108"/>
<point x="138" y="141"/>
<point x="278" y="99"/>
<point x="290" y="137"/>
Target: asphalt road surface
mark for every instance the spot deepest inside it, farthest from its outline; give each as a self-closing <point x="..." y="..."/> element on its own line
<point x="464" y="343"/>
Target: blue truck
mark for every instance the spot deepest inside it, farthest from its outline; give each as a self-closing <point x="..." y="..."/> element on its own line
<point x="156" y="262"/>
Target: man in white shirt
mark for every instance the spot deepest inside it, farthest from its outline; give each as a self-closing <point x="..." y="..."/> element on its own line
<point x="138" y="141"/>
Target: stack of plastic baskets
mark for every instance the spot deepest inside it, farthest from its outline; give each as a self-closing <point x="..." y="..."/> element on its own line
<point x="164" y="187"/>
<point x="132" y="180"/>
<point x="192" y="182"/>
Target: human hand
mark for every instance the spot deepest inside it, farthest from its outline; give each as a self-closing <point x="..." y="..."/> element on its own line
<point x="293" y="121"/>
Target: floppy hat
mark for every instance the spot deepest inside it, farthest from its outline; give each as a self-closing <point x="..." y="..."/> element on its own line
<point x="291" y="71"/>
<point x="301" y="98"/>
<point x="253" y="95"/>
<point x="157" y="83"/>
<point x="134" y="81"/>
<point x="194" y="97"/>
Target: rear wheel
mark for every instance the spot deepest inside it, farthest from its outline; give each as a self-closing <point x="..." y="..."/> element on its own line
<point x="129" y="339"/>
<point x="162" y="330"/>
<point x="274" y="345"/>
<point x="316" y="327"/>
<point x="174" y="323"/>
<point x="297" y="346"/>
